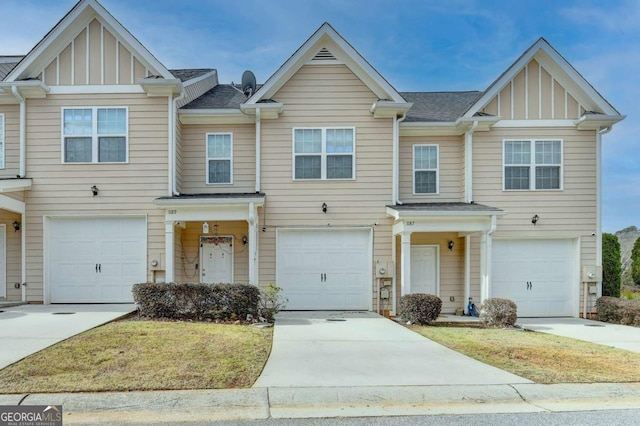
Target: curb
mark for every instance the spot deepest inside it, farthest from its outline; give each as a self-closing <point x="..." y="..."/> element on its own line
<point x="327" y="402"/>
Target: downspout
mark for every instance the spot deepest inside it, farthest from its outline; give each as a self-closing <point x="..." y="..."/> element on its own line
<point x="468" y="163"/>
<point x="22" y="171"/>
<point x="258" y="143"/>
<point x="599" y="199"/>
<point x="173" y="135"/>
<point x="396" y="154"/>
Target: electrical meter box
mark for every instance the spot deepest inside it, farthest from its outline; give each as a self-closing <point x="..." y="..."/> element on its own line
<point x="384" y="269"/>
<point x="591" y="274"/>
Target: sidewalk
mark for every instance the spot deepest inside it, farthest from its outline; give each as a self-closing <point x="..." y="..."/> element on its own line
<point x="263" y="403"/>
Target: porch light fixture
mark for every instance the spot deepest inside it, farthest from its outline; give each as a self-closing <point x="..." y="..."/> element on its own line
<point x="94" y="190"/>
<point x="324" y="207"/>
<point x="16" y="226"/>
<point x="535" y="219"/>
<point x="205" y="228"/>
<point x="245" y="240"/>
<point x="450" y="245"/>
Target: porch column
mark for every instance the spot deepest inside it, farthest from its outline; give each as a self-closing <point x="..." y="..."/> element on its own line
<point x="253" y="245"/>
<point x="467" y="270"/>
<point x="485" y="265"/>
<point x="169" y="237"/>
<point x="405" y="262"/>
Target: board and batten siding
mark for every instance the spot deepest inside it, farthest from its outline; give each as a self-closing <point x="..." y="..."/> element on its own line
<point x="326" y="96"/>
<point x="11" y="115"/>
<point x="124" y="188"/>
<point x="451" y="168"/>
<point x="194" y="158"/>
<point x="95" y="56"/>
<point x="567" y="213"/>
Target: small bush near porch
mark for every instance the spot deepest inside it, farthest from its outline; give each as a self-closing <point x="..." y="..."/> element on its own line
<point x="198" y="302"/>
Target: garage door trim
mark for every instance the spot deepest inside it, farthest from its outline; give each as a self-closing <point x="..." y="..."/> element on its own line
<point x="368" y="272"/>
<point x="46" y="228"/>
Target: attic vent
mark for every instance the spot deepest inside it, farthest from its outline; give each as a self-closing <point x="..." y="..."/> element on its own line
<point x="324" y="55"/>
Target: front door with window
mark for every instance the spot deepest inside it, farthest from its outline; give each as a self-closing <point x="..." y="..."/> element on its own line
<point x="424" y="269"/>
<point x="216" y="262"/>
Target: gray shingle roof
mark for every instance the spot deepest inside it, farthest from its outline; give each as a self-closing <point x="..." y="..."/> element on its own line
<point x="239" y="195"/>
<point x="7" y="63"/>
<point x="439" y="106"/>
<point x="444" y="207"/>
<point x="188" y="74"/>
<point x="222" y="96"/>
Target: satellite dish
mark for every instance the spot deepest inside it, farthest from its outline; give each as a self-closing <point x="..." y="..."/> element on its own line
<point x="248" y="83"/>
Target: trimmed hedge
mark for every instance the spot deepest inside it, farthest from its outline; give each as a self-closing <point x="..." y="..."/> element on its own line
<point x="497" y="312"/>
<point x="618" y="311"/>
<point x="200" y="302"/>
<point x="420" y="308"/>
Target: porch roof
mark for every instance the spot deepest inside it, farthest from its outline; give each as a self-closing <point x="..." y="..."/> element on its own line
<point x="198" y="200"/>
<point x="400" y="211"/>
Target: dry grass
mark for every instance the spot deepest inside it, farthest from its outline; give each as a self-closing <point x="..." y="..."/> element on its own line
<point x="540" y="357"/>
<point x="145" y="355"/>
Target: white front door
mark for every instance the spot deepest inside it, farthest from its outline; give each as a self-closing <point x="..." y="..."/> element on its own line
<point x="216" y="260"/>
<point x="424" y="269"/>
<point x="538" y="275"/>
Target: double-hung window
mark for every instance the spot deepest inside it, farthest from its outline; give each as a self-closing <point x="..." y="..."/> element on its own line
<point x="425" y="169"/>
<point x="2" y="141"/>
<point x="95" y="135"/>
<point x="219" y="158"/>
<point x="532" y="164"/>
<point x="324" y="153"/>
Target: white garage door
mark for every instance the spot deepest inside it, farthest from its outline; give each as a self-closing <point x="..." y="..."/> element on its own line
<point x="325" y="269"/>
<point x="536" y="274"/>
<point x="95" y="260"/>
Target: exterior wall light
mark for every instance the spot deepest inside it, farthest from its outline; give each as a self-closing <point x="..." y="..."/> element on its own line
<point x="450" y="245"/>
<point x="94" y="190"/>
<point x="535" y="219"/>
<point x="245" y="240"/>
<point x="16" y="226"/>
<point x="205" y="228"/>
<point x="324" y="207"/>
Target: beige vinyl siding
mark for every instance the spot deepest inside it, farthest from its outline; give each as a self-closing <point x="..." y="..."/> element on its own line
<point x="326" y="96"/>
<point x="451" y="168"/>
<point x="11" y="140"/>
<point x="190" y="241"/>
<point x="64" y="189"/>
<point x="13" y="261"/>
<point x="194" y="159"/>
<point x="567" y="213"/>
<point x="104" y="61"/>
<point x="535" y="95"/>
<point x="451" y="267"/>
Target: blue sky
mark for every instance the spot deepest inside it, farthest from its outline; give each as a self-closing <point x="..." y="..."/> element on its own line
<point x="422" y="45"/>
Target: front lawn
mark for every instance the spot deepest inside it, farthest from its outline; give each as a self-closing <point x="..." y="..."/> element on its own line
<point x="145" y="355"/>
<point x="542" y="358"/>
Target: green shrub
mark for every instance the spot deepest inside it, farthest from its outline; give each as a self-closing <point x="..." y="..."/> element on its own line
<point x="618" y="311"/>
<point x="635" y="262"/>
<point x="420" y="308"/>
<point x="199" y="302"/>
<point x="611" y="265"/>
<point x="271" y="301"/>
<point x="497" y="312"/>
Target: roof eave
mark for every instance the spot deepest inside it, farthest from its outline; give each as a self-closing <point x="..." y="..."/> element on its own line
<point x="408" y="214"/>
<point x="389" y="109"/>
<point x="161" y="86"/>
<point x="597" y="121"/>
<point x="214" y="116"/>
<point x="271" y="110"/>
<point x="201" y="202"/>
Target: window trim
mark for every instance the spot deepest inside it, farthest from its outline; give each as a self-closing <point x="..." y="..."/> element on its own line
<point x="94" y="135"/>
<point x="206" y="158"/>
<point x="3" y="149"/>
<point x="532" y="164"/>
<point x="323" y="154"/>
<point x="437" y="170"/>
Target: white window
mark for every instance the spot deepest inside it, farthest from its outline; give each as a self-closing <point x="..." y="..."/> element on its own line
<point x="1" y="141"/>
<point x="532" y="164"/>
<point x="95" y="135"/>
<point x="219" y="158"/>
<point x="425" y="169"/>
<point x="324" y="153"/>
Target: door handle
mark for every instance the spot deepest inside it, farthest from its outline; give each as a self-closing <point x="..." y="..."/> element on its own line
<point x="100" y="267"/>
<point x="325" y="278"/>
<point x="96" y="268"/>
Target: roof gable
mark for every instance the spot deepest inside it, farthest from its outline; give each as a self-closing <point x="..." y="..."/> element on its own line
<point x="562" y="73"/>
<point x="326" y="46"/>
<point x="77" y="20"/>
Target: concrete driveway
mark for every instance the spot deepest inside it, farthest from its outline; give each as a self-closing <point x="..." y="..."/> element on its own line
<point x="614" y="335"/>
<point x="27" y="329"/>
<point x="312" y="349"/>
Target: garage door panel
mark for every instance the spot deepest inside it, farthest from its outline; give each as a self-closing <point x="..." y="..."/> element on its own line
<point x="324" y="269"/>
<point x="95" y="260"/>
<point x="546" y="264"/>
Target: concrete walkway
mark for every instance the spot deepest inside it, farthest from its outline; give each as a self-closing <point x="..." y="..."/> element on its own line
<point x="614" y="335"/>
<point x="27" y="329"/>
<point x="335" y="349"/>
